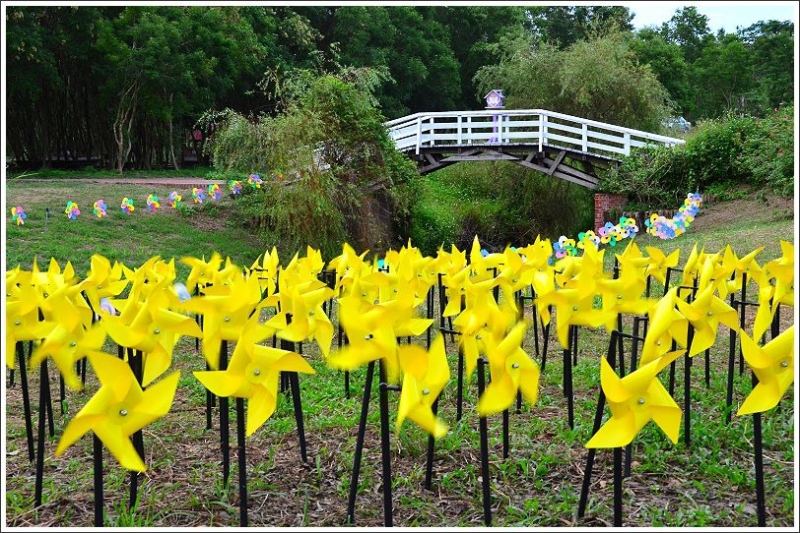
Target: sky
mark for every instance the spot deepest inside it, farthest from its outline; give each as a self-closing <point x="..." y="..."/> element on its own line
<point x="727" y="15"/>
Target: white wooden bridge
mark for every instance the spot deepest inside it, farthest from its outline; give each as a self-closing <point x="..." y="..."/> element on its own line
<point x="535" y="138"/>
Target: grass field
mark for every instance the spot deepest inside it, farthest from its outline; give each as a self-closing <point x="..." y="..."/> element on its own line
<point x="707" y="483"/>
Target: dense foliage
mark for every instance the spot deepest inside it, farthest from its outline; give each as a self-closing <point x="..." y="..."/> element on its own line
<point x="722" y="153"/>
<point x="124" y="86"/>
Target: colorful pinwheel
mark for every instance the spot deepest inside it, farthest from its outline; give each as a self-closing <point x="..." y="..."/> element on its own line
<point x="153" y="203"/>
<point x="214" y="191"/>
<point x="236" y="187"/>
<point x="99" y="209"/>
<point x="174" y="200"/>
<point x="18" y="215"/>
<point x="198" y="195"/>
<point x="72" y="210"/>
<point x="255" y="181"/>
<point x="127" y="205"/>
<point x="773" y="365"/>
<point x="119" y="409"/>
<point x="635" y="400"/>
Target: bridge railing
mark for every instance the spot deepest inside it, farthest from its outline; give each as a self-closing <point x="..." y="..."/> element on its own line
<point x="460" y="129"/>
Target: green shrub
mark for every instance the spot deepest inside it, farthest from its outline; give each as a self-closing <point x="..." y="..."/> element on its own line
<point x="723" y="155"/>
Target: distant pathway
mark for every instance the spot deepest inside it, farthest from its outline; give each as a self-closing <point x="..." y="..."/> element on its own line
<point x="122" y="180"/>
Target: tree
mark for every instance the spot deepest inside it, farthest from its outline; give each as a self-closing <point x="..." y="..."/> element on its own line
<point x="563" y="26"/>
<point x="667" y="63"/>
<point x="772" y="45"/>
<point x="688" y="28"/>
<point x="599" y="79"/>
<point x="724" y="75"/>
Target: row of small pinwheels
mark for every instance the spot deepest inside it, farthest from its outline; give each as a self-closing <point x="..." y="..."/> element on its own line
<point x="70" y="318"/>
<point x="153" y="202"/>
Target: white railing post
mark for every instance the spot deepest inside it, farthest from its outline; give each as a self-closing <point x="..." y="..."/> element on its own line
<point x="460" y="137"/>
<point x="542" y="128"/>
<point x="419" y="133"/>
<point x="585" y="138"/>
<point x="469" y="128"/>
<point x="627" y="144"/>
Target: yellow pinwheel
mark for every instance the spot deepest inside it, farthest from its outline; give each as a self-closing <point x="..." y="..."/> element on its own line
<point x="425" y="374"/>
<point x="303" y="302"/>
<point x="773" y="365"/>
<point x="66" y="346"/>
<point x="226" y="305"/>
<point x="253" y="373"/>
<point x="666" y="324"/>
<point x="659" y="263"/>
<point x="738" y="267"/>
<point x="103" y="281"/>
<point x="152" y="328"/>
<point x="635" y="400"/>
<point x="370" y="334"/>
<point x="705" y="313"/>
<point x="511" y="369"/>
<point x="119" y="409"/>
<point x="782" y="271"/>
<point x="22" y="313"/>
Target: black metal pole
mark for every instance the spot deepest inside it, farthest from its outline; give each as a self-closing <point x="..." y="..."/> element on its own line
<point x="362" y="426"/>
<point x="487" y="504"/>
<point x="43" y="386"/>
<point x="731" y="362"/>
<point x="294" y="385"/>
<point x="209" y="401"/>
<point x="385" y="449"/>
<point x="617" y="487"/>
<point x="742" y="320"/>
<point x="240" y="436"/>
<point x="224" y="419"/>
<point x="97" y="453"/>
<point x="687" y="378"/>
<point x="431" y="443"/>
<point x="505" y="434"/>
<point x="26" y="400"/>
<point x="546" y="340"/>
<point x="759" y="466"/>
<point x="598" y="420"/>
<point x="460" y="391"/>
<point x="135" y="362"/>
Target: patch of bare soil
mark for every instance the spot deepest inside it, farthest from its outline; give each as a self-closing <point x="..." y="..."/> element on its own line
<point x="754" y="209"/>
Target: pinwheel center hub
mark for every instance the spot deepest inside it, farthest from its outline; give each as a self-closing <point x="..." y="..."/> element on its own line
<point x="73" y="344"/>
<point x="426" y="392"/>
<point x="255" y="374"/>
<point x="784" y="364"/>
<point x="118" y="413"/>
<point x="641" y="401"/>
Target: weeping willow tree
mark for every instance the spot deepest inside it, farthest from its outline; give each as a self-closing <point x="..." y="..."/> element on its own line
<point x="341" y="176"/>
<point x="599" y="79"/>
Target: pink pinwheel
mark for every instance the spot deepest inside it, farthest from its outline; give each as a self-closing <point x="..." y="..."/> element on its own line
<point x="99" y="209"/>
<point x="174" y="200"/>
<point x="153" y="203"/>
<point x="214" y="191"/>
<point x="18" y="215"/>
<point x="198" y="195"/>
<point x="127" y="205"/>
<point x="72" y="210"/>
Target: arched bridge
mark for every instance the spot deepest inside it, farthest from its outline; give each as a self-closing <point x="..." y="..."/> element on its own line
<point x="535" y="138"/>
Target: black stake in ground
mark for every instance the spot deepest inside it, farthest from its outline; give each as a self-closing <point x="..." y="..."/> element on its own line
<point x="362" y="427"/>
<point x="44" y="413"/>
<point x="26" y="400"/>
<point x="687" y="382"/>
<point x="240" y="436"/>
<point x="224" y="419"/>
<point x="598" y="420"/>
<point x="568" y="375"/>
<point x="431" y="443"/>
<point x="618" y="487"/>
<point x="546" y="340"/>
<point x="487" y="504"/>
<point x="385" y="449"/>
<point x="293" y="383"/>
<point x="97" y="454"/>
<point x="135" y="361"/>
